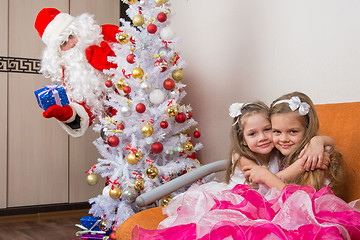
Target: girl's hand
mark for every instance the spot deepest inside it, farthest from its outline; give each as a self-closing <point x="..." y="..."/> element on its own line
<point x="313" y="155"/>
<point x="256" y="174"/>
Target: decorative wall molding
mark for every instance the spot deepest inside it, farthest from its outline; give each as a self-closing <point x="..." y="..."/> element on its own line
<point x="19" y="65"/>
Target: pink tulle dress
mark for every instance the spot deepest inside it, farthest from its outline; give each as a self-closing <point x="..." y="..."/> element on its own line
<point x="219" y="211"/>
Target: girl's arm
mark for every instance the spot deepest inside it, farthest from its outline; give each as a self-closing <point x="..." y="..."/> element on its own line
<point x="260" y="174"/>
<point x="311" y="156"/>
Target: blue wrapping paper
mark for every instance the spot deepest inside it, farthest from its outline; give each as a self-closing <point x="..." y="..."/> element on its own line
<point x="89" y="222"/>
<point x="51" y="95"/>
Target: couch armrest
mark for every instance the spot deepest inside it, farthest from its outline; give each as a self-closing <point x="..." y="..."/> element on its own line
<point x="179" y="182"/>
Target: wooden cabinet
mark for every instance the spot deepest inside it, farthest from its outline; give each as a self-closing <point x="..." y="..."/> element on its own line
<point x="39" y="163"/>
<point x="3" y="103"/>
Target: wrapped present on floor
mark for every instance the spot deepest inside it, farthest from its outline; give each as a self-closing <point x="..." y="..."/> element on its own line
<point x="92" y="226"/>
<point x="94" y="236"/>
<point x="51" y="95"/>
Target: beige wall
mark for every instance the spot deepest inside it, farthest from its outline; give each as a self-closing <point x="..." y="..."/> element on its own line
<point x="244" y="50"/>
<point x="39" y="162"/>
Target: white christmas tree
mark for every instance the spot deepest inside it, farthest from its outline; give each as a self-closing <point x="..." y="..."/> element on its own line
<point x="149" y="140"/>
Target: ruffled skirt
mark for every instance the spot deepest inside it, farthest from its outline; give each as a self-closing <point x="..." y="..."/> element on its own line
<point x="297" y="212"/>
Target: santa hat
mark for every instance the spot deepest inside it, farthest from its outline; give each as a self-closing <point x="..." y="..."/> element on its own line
<point x="50" y="23"/>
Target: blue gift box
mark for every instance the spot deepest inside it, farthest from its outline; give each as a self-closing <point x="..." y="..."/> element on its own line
<point x="93" y="224"/>
<point x="90" y="222"/>
<point x="51" y="95"/>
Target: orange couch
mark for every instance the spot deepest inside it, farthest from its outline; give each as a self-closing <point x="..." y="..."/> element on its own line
<point x="340" y="121"/>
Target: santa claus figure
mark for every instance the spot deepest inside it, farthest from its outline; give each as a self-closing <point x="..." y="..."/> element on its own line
<point x="77" y="51"/>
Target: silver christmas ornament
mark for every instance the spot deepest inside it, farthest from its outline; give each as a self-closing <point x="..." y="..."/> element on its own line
<point x="129" y="194"/>
<point x="103" y="133"/>
<point x="146" y="86"/>
<point x="125" y="111"/>
<point x="164" y="50"/>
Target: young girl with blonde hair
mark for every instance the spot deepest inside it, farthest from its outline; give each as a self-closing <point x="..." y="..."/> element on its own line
<point x="295" y="122"/>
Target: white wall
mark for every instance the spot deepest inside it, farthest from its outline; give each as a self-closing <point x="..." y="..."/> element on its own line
<point x="245" y="50"/>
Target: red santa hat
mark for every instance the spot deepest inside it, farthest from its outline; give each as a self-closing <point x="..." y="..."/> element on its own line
<point x="50" y="23"/>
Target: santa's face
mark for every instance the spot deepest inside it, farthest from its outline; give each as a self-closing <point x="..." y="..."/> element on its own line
<point x="70" y="43"/>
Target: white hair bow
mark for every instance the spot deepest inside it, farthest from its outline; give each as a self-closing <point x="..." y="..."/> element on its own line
<point x="295" y="103"/>
<point x="235" y="109"/>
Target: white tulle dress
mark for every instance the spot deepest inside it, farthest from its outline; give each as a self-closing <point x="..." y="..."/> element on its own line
<point x="235" y="211"/>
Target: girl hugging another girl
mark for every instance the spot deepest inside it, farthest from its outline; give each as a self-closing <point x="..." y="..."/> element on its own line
<point x="259" y="201"/>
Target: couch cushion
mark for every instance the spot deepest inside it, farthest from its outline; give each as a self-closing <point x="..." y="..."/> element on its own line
<point x="341" y="122"/>
<point x="148" y="219"/>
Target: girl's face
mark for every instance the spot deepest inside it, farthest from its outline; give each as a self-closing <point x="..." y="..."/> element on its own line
<point x="70" y="43"/>
<point x="288" y="132"/>
<point x="257" y="133"/>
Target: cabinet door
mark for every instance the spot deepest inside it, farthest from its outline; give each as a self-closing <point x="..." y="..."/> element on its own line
<point x="3" y="101"/>
<point x="83" y="154"/>
<point x="37" y="147"/>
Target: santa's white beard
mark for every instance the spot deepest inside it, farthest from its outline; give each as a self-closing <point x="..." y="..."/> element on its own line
<point x="83" y="83"/>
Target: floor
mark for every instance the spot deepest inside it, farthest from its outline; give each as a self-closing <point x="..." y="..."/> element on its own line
<point x="42" y="226"/>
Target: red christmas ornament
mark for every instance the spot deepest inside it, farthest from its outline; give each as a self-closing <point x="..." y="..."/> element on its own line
<point x="113" y="141"/>
<point x="161" y="17"/>
<point x="197" y="134"/>
<point x="157" y="147"/>
<point x="162" y="63"/>
<point x="108" y="83"/>
<point x="180" y="117"/>
<point x="164" y="124"/>
<point x="120" y="126"/>
<point x="140" y="108"/>
<point x="127" y="89"/>
<point x="169" y="84"/>
<point x="112" y="236"/>
<point x="130" y="58"/>
<point x="189" y="114"/>
<point x="151" y="28"/>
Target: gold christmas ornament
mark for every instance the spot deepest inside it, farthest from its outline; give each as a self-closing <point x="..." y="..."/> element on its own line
<point x="139" y="184"/>
<point x="187" y="146"/>
<point x="102" y="226"/>
<point x="137" y="72"/>
<point x="151" y="172"/>
<point x="123" y="38"/>
<point x="177" y="74"/>
<point x="131" y="2"/>
<point x="131" y="158"/>
<point x="147" y="130"/>
<point x="115" y="192"/>
<point x="138" y="155"/>
<point x="165" y="200"/>
<point x="160" y="2"/>
<point x="138" y="20"/>
<point x="92" y="179"/>
<point x="120" y="84"/>
<point x="172" y="111"/>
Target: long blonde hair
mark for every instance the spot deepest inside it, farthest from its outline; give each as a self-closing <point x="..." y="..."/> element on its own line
<point x="237" y="134"/>
<point x="310" y="121"/>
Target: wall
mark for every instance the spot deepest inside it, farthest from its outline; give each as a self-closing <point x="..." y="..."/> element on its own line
<point x="245" y="50"/>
